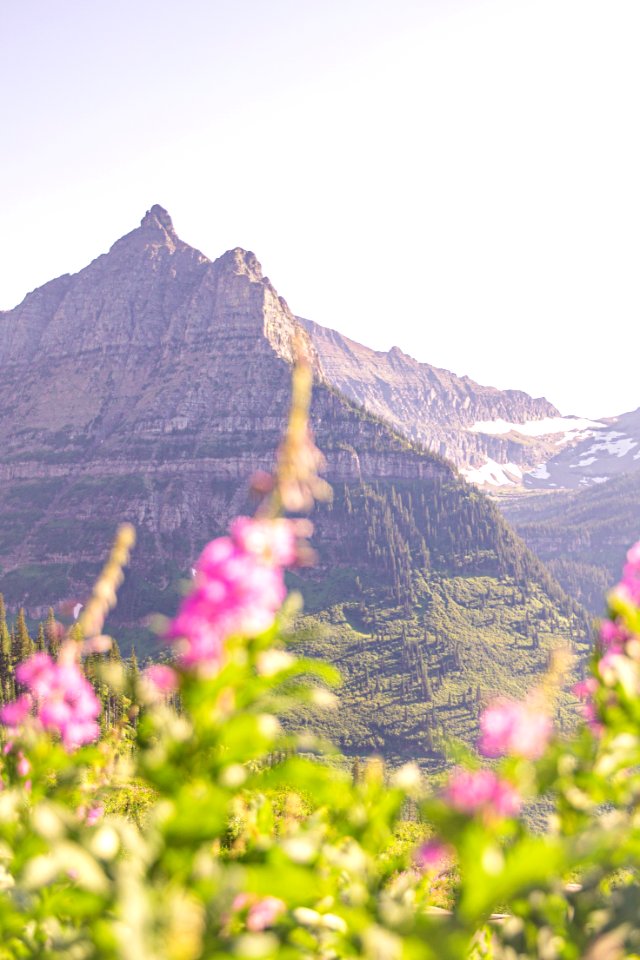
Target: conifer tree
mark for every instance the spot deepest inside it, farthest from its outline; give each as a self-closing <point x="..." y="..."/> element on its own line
<point x="6" y="665"/>
<point x="41" y="645"/>
<point x="22" y="643"/>
<point x="51" y="633"/>
<point x="115" y="702"/>
<point x="356" y="771"/>
<point x="133" y="666"/>
<point x="134" y="674"/>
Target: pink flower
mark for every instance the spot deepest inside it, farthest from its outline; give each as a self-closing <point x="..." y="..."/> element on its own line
<point x="585" y="688"/>
<point x="514" y="728"/>
<point x="35" y="673"/>
<point x="629" y="586"/>
<point x="239" y="587"/>
<point x="63" y="699"/>
<point x="23" y="766"/>
<point x="585" y="691"/>
<point x="470" y="791"/>
<point x="613" y="634"/>
<point x="162" y="677"/>
<point x="262" y="913"/>
<point x="433" y="856"/>
<point x="94" y="814"/>
<point x="506" y="799"/>
<point x="16" y="712"/>
<point x="272" y="541"/>
<point x="615" y="667"/>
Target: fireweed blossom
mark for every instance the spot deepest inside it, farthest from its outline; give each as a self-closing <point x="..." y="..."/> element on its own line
<point x="161" y="679"/>
<point x="629" y="586"/>
<point x="239" y="587"/>
<point x="262" y="913"/>
<point x="613" y="634"/>
<point x="434" y="856"/>
<point x="273" y="541"/>
<point x="585" y="691"/>
<point x="620" y="662"/>
<point x="59" y="696"/>
<point x="515" y="728"/>
<point x="481" y="791"/>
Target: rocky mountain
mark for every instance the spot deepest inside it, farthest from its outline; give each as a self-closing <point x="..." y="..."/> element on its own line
<point x="434" y="406"/>
<point x="496" y="438"/>
<point x="151" y="385"/>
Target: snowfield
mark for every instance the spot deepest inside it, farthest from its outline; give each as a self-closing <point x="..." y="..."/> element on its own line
<point x="494" y="473"/>
<point x="614" y="443"/>
<point x="571" y="427"/>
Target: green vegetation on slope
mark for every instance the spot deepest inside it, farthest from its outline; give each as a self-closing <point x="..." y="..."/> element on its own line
<point x="582" y="537"/>
<point x="428" y="607"/>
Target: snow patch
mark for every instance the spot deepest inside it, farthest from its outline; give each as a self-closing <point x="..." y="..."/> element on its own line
<point x="494" y="473"/>
<point x="538" y="428"/>
<point x="612" y="445"/>
<point x="540" y="472"/>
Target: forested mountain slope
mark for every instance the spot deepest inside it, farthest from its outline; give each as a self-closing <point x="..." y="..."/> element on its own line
<point x="581" y="536"/>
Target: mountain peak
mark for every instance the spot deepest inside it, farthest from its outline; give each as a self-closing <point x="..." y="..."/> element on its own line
<point x="241" y="262"/>
<point x="156" y="231"/>
<point x="156" y="217"/>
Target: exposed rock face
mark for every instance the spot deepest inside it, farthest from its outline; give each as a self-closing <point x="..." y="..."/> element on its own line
<point x="170" y="374"/>
<point x="430" y="405"/>
<point x="107" y="343"/>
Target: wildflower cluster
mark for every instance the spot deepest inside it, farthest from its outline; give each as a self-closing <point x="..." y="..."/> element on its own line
<point x="515" y="728"/>
<point x="239" y="587"/>
<point x="473" y="791"/>
<point x="615" y="681"/>
<point x="60" y="698"/>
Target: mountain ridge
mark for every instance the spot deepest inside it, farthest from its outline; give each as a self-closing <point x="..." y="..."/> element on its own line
<point x="438" y="408"/>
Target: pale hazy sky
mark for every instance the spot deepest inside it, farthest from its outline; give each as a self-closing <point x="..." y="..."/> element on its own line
<point x="460" y="178"/>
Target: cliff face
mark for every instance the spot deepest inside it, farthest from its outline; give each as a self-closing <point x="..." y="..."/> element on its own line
<point x="430" y="405"/>
<point x="146" y="342"/>
<point x="153" y="383"/>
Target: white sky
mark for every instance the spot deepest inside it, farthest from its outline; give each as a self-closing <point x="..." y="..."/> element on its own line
<point x="460" y="178"/>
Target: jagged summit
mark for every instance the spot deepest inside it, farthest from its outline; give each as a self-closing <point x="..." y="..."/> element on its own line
<point x="157" y="216"/>
<point x="155" y="236"/>
<point x="150" y="292"/>
<point x="241" y="261"/>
